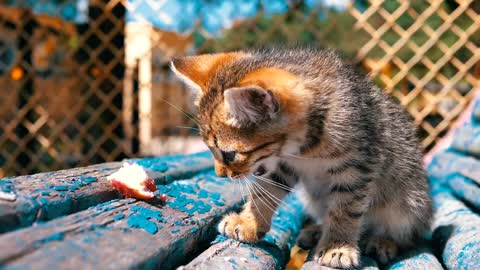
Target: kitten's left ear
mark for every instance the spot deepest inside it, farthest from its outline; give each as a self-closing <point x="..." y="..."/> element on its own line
<point x="196" y="70"/>
<point x="250" y="105"/>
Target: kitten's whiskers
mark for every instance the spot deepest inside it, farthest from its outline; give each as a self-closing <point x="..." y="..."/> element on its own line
<point x="253" y="200"/>
<point x="275" y="199"/>
<point x="273" y="183"/>
<point x="299" y="157"/>
<point x="192" y="128"/>
<point x="240" y="188"/>
<point x="180" y="110"/>
<point x="264" y="201"/>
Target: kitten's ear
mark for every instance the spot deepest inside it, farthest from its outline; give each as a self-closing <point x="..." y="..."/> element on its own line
<point x="195" y="71"/>
<point x="250" y="105"/>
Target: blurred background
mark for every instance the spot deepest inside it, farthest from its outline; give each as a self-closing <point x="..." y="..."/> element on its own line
<point x="87" y="81"/>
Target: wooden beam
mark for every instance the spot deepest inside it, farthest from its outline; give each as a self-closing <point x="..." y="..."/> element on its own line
<point x="46" y="196"/>
<point x="310" y="264"/>
<point x="127" y="234"/>
<point x="270" y="253"/>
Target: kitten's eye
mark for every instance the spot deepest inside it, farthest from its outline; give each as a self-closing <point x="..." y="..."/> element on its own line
<point x="228" y="156"/>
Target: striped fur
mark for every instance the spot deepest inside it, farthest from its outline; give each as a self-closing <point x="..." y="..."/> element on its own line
<point x="305" y="118"/>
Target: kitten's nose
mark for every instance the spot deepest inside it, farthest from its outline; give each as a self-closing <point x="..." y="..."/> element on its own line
<point x="234" y="174"/>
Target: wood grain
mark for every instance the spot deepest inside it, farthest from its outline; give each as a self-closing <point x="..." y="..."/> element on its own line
<point x="46" y="196"/>
<point x="108" y="236"/>
<point x="270" y="253"/>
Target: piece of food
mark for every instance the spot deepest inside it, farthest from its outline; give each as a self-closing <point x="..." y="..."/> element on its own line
<point x="131" y="180"/>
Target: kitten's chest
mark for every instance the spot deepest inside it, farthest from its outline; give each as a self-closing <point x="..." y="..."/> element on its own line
<point x="314" y="185"/>
<point x="312" y="172"/>
<point x="310" y="168"/>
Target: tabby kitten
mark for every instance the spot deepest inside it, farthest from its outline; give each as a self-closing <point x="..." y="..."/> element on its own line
<point x="303" y="118"/>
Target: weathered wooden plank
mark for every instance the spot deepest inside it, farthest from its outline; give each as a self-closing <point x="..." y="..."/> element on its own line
<point x="448" y="162"/>
<point x="46" y="196"/>
<point x="271" y="253"/>
<point x="421" y="257"/>
<point x="467" y="140"/>
<point x="456" y="230"/>
<point x="310" y="264"/>
<point x="126" y="234"/>
<point x="465" y="189"/>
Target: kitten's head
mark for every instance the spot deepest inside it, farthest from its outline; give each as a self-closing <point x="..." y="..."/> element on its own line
<point x="246" y="109"/>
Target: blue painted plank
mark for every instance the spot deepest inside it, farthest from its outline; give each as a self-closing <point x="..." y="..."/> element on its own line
<point x="270" y="253"/>
<point x="46" y="196"/>
<point x="127" y="234"/>
<point x="367" y="264"/>
<point x="456" y="234"/>
<point x="454" y="179"/>
<point x="465" y="189"/>
<point x="421" y="257"/>
<point x="449" y="162"/>
<point x="467" y="140"/>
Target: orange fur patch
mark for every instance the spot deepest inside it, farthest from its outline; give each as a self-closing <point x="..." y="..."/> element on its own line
<point x="200" y="68"/>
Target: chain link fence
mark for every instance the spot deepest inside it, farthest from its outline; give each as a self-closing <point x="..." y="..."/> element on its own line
<point x="87" y="81"/>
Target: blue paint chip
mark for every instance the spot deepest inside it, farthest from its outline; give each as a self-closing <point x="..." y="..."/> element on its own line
<point x="220" y="238"/>
<point x="175" y="230"/>
<point x="43" y="201"/>
<point x="189" y="205"/>
<point x="102" y="206"/>
<point x="215" y="196"/>
<point x="72" y="188"/>
<point x="154" y="164"/>
<point x="88" y="179"/>
<point x="218" y="203"/>
<point x="54" y="237"/>
<point x="139" y="221"/>
<point x="93" y="227"/>
<point x="6" y="185"/>
<point x="203" y="194"/>
<point x="141" y="218"/>
<point x="61" y="188"/>
<point x="178" y="223"/>
<point x="119" y="217"/>
<point x="148" y="213"/>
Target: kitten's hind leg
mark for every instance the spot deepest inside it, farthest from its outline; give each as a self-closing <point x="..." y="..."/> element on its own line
<point x="394" y="228"/>
<point x="381" y="248"/>
<point x="309" y="236"/>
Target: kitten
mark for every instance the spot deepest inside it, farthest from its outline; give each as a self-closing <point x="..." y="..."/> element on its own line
<point x="302" y="117"/>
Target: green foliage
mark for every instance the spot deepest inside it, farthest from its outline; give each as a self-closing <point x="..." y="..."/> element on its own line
<point x="324" y="28"/>
<point x="296" y="27"/>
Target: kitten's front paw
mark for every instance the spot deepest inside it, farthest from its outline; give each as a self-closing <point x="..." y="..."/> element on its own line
<point x="239" y="227"/>
<point x="382" y="249"/>
<point x="338" y="256"/>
